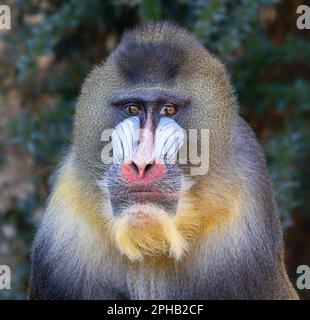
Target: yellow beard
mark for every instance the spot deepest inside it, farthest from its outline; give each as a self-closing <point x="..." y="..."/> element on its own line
<point x="148" y="230"/>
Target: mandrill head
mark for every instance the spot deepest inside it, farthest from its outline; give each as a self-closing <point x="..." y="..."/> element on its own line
<point x="152" y="123"/>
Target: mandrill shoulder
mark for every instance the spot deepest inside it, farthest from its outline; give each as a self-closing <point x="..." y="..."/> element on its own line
<point x="246" y="145"/>
<point x="249" y="164"/>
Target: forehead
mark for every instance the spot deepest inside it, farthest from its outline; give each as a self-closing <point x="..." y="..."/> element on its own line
<point x="149" y="62"/>
<point x="149" y="95"/>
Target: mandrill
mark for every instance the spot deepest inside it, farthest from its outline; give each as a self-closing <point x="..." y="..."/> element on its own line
<point x="134" y="216"/>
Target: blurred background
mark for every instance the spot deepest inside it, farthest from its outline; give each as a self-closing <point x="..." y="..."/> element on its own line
<point x="54" y="44"/>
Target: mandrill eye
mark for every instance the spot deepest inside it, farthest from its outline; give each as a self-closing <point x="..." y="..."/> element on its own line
<point x="168" y="109"/>
<point x="132" y="109"/>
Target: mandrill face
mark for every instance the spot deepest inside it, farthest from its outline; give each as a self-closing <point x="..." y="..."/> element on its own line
<point x="145" y="145"/>
<point x="151" y="92"/>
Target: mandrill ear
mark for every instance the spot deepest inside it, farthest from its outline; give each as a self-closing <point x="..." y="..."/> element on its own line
<point x="125" y="138"/>
<point x="168" y="140"/>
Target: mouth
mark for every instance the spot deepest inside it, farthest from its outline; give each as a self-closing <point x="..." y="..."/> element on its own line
<point x="126" y="198"/>
<point x="144" y="196"/>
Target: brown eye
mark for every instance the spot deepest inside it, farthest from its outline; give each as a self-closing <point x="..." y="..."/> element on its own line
<point x="132" y="109"/>
<point x="168" y="110"/>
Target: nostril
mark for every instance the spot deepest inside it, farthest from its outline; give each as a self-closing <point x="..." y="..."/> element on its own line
<point x="154" y="171"/>
<point x="148" y="167"/>
<point x="135" y="167"/>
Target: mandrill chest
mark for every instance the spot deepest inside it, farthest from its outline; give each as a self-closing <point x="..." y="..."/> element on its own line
<point x="153" y="282"/>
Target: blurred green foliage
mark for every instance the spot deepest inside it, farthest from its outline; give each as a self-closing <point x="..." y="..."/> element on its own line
<point x="267" y="56"/>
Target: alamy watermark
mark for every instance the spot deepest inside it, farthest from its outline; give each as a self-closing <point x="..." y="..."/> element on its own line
<point x="5" y="17"/>
<point x="303" y="280"/>
<point x="5" y="277"/>
<point x="303" y="21"/>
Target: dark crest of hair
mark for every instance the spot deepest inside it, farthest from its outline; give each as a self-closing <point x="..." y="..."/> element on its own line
<point x="154" y="61"/>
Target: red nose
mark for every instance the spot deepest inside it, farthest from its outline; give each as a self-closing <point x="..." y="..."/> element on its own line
<point x="144" y="172"/>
